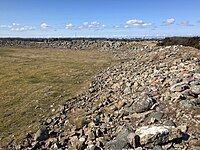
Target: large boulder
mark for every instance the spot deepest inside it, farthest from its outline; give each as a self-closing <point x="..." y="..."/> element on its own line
<point x="121" y="141"/>
<point x="41" y="134"/>
<point x="153" y="135"/>
<point x="142" y="103"/>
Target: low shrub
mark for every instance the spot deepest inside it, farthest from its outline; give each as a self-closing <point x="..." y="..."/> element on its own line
<point x="185" y="41"/>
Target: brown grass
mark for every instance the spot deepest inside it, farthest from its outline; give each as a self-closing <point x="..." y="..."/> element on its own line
<point x="197" y="143"/>
<point x="33" y="79"/>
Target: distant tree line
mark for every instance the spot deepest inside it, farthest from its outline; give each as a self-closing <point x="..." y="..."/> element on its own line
<point x="185" y="41"/>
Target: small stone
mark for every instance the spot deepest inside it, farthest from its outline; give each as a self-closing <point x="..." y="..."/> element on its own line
<point x="90" y="134"/>
<point x="194" y="83"/>
<point x="97" y="120"/>
<point x="81" y="144"/>
<point x="195" y="102"/>
<point x="112" y="108"/>
<point x="49" y="120"/>
<point x="100" y="142"/>
<point x="160" y="107"/>
<point x="138" y="148"/>
<point x="79" y="122"/>
<point x="120" y="104"/>
<point x="197" y="75"/>
<point x="108" y="119"/>
<point x="18" y="147"/>
<point x="123" y="112"/>
<point x="90" y="144"/>
<point x="50" y="141"/>
<point x="74" y="142"/>
<point x="92" y="90"/>
<point x="157" y="147"/>
<point x="191" y="102"/>
<point x="82" y="139"/>
<point x="127" y="90"/>
<point x="91" y="124"/>
<point x="179" y="87"/>
<point x="169" y="123"/>
<point x="183" y="128"/>
<point x="55" y="146"/>
<point x="157" y="115"/>
<point x="196" y="89"/>
<point x="133" y="139"/>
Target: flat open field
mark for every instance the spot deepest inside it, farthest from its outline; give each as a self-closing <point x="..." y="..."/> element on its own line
<point x="35" y="81"/>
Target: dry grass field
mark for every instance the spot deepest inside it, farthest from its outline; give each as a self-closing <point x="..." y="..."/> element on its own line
<point x="32" y="81"/>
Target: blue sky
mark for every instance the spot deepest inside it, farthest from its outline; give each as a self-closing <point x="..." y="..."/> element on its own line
<point x="99" y="18"/>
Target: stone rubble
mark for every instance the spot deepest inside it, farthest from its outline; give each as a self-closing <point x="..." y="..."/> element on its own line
<point x="69" y="43"/>
<point x="151" y="100"/>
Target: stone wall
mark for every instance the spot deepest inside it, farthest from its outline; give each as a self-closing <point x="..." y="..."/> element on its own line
<point x="65" y="43"/>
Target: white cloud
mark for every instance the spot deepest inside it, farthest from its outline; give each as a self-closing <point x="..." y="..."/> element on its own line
<point x="44" y="26"/>
<point x="17" y="27"/>
<point x="186" y="23"/>
<point x="117" y="26"/>
<point x="85" y="23"/>
<point x="146" y="24"/>
<point x="137" y="23"/>
<point x="5" y="26"/>
<point x="121" y="26"/>
<point x="69" y="26"/>
<point x="134" y="21"/>
<point x="15" y="24"/>
<point x="92" y="25"/>
<point x="126" y="26"/>
<point x="169" y="21"/>
<point x="21" y="28"/>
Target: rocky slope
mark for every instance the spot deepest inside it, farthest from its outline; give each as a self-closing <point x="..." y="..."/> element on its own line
<point x="151" y="100"/>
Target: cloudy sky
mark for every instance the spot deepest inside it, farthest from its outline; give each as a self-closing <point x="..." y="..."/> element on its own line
<point x="99" y="18"/>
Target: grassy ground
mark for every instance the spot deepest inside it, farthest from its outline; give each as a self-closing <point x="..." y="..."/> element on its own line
<point x="31" y="80"/>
